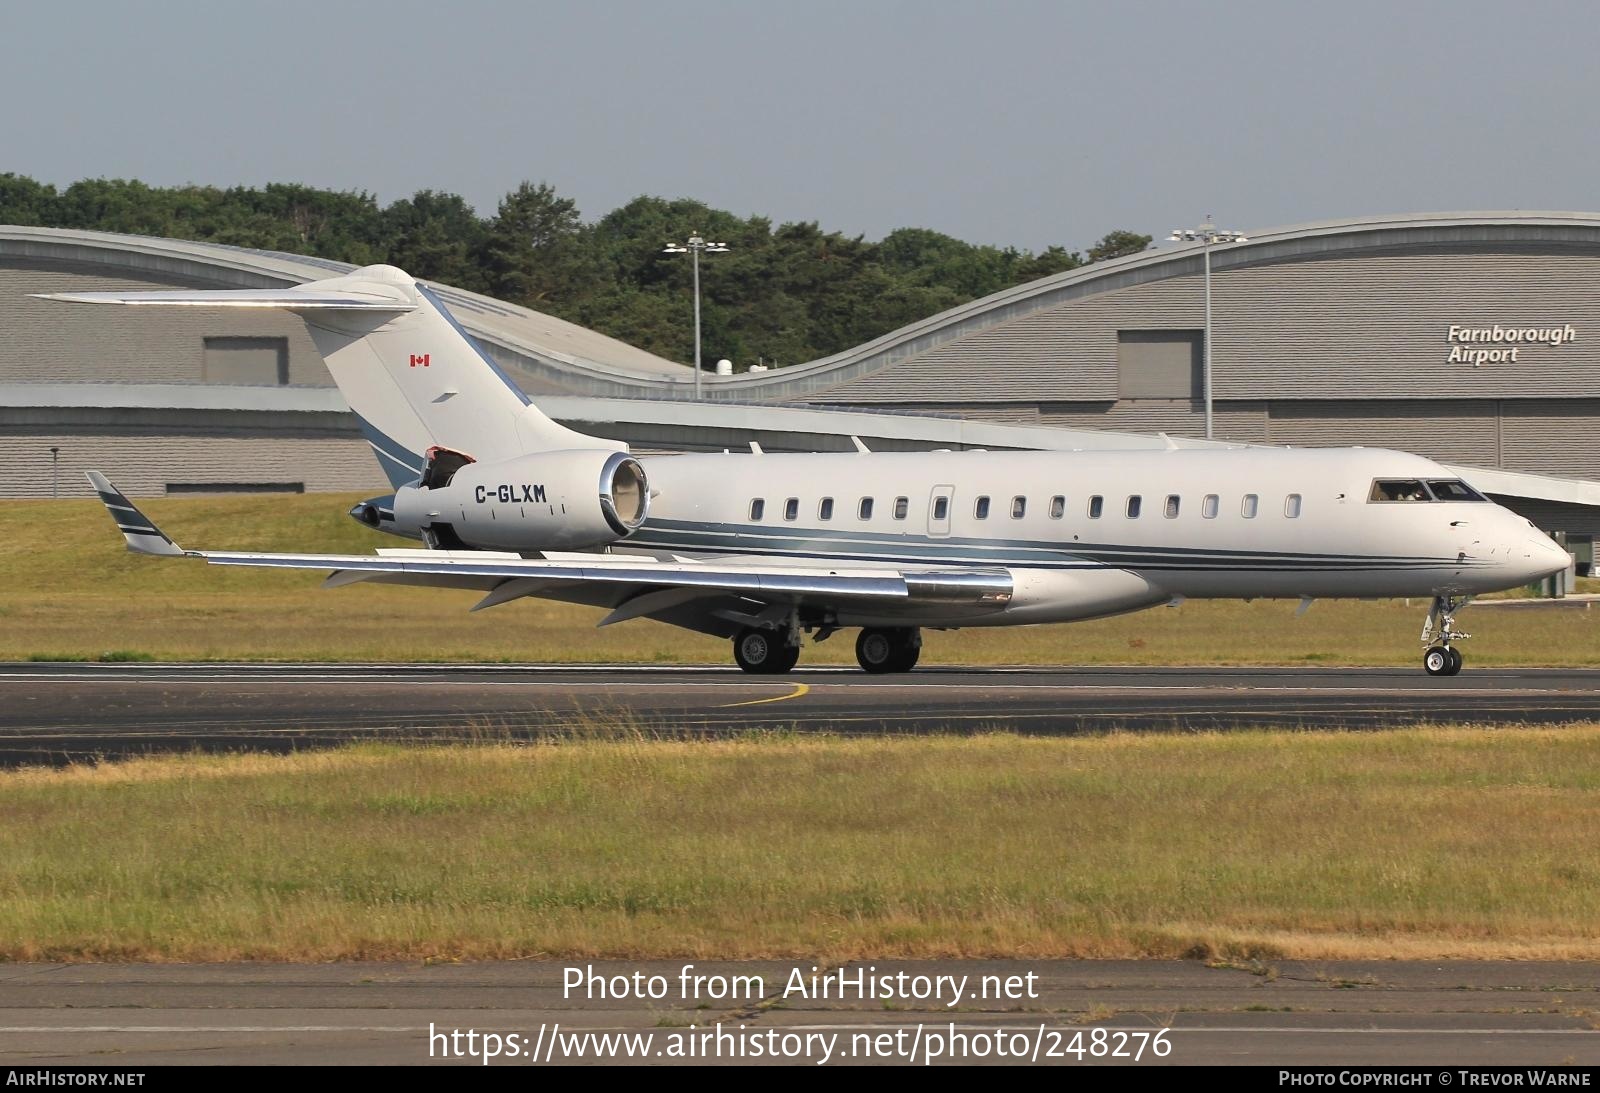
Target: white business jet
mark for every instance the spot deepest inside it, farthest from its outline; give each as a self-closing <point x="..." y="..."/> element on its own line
<point x="766" y="548"/>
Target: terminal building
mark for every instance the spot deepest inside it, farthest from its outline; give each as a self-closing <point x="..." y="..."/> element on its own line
<point x="1470" y="338"/>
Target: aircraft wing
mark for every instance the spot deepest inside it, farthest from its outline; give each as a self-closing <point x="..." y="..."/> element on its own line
<point x="624" y="581"/>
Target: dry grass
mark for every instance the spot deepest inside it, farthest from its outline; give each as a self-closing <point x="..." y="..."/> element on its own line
<point x="1444" y="842"/>
<point x="74" y="593"/>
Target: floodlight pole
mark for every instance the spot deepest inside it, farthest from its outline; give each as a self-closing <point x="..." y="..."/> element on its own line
<point x="693" y="247"/>
<point x="1206" y="251"/>
<point x="1207" y="235"/>
<point x="55" y="472"/>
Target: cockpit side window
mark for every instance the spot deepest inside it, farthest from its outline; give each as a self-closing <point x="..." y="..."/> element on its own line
<point x="1453" y="489"/>
<point x="1399" y="489"/>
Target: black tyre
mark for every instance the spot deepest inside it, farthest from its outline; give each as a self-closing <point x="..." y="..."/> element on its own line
<point x="887" y="649"/>
<point x="1455" y="661"/>
<point x="763" y="652"/>
<point x="906" y="658"/>
<point x="1438" y="661"/>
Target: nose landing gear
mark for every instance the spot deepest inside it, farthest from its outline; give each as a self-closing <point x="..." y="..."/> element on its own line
<point x="1443" y="659"/>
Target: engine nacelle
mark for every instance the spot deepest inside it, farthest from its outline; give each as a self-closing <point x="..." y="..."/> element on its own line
<point x="568" y="500"/>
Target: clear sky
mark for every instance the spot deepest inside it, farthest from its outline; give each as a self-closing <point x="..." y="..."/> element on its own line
<point x="1009" y="121"/>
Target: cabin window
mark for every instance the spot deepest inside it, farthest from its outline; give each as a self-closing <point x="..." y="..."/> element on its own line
<point x="791" y="508"/>
<point x="1097" y="505"/>
<point x="825" y="509"/>
<point x="1247" y="507"/>
<point x="1019" y="507"/>
<point x="758" y="508"/>
<point x="980" y="508"/>
<point x="941" y="508"/>
<point x="1058" y="507"/>
<point x="1399" y="489"/>
<point x="1291" y="506"/>
<point x="1135" y="503"/>
<point x="1170" y="509"/>
<point x="902" y="505"/>
<point x="1208" y="506"/>
<point x="864" y="510"/>
<point x="1453" y="489"/>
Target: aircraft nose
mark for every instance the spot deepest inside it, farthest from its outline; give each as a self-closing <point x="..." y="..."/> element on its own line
<point x="1543" y="558"/>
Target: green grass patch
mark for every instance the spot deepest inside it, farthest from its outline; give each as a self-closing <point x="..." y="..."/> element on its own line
<point x="1442" y="842"/>
<point x="74" y="592"/>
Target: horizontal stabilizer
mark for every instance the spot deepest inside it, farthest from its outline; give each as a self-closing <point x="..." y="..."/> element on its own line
<point x="298" y="299"/>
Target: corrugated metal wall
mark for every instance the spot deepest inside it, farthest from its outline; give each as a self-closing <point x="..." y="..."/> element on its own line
<point x="1241" y="421"/>
<point x="142" y="464"/>
<point x="1344" y="349"/>
<point x="1457" y="431"/>
<point x="1064" y="352"/>
<point x="1554" y="516"/>
<point x="1550" y="437"/>
<point x="1345" y="327"/>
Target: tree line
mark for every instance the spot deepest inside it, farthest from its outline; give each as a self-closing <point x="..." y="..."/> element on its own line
<point x="784" y="294"/>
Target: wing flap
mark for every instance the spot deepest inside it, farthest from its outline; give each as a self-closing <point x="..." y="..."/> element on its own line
<point x="604" y="569"/>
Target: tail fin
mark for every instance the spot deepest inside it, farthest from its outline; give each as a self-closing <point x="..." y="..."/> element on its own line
<point x="414" y="378"/>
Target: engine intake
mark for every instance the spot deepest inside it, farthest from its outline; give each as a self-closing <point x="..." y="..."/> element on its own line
<point x="624" y="493"/>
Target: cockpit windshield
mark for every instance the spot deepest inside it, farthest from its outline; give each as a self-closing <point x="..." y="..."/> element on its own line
<point x="1415" y="489"/>
<point x="1453" y="489"/>
<point x="1399" y="489"/>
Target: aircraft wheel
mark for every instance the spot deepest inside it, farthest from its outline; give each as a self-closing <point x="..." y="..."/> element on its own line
<point x="907" y="658"/>
<point x="1439" y="661"/>
<point x="1455" y="661"/>
<point x="763" y="652"/>
<point x="887" y="649"/>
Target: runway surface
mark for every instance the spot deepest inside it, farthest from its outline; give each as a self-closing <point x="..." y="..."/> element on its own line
<point x="55" y="712"/>
<point x="1460" y="1014"/>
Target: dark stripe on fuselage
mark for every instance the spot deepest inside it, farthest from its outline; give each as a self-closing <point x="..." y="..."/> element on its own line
<point x="872" y="546"/>
<point x="756" y="532"/>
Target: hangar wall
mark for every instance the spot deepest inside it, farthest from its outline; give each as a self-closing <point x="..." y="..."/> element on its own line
<point x="146" y="463"/>
<point x="1372" y="326"/>
<point x="1336" y="333"/>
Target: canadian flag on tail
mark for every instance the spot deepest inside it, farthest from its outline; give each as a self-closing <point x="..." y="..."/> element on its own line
<point x="419" y="358"/>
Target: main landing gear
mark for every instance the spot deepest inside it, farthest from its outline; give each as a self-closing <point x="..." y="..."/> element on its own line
<point x="764" y="650"/>
<point x="1443" y="659"/>
<point x="882" y="649"/>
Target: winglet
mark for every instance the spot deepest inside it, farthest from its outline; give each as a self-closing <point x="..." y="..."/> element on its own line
<point x="142" y="536"/>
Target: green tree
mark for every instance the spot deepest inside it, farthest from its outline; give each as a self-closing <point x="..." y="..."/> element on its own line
<point x="1117" y="244"/>
<point x="1046" y="263"/>
<point x="436" y="236"/>
<point x="26" y="202"/>
<point x="789" y="293"/>
<point x="532" y="252"/>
